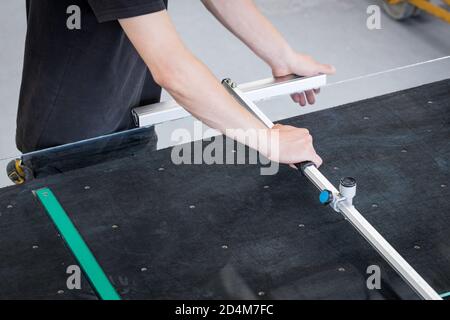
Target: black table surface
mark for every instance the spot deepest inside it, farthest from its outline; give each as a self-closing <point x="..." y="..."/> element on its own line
<point x="228" y="232"/>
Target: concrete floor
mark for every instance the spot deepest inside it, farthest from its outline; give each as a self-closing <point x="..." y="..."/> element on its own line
<point x="333" y="31"/>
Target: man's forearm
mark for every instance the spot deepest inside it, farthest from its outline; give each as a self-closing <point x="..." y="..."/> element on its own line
<point x="193" y="86"/>
<point x="245" y="21"/>
<point x="187" y="80"/>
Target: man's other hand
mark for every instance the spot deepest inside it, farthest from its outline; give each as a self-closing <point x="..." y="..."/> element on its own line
<point x="292" y="145"/>
<point x="303" y="65"/>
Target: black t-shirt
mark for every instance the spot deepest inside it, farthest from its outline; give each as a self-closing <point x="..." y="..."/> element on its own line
<point x="79" y="84"/>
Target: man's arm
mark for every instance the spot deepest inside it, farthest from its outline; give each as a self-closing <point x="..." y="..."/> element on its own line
<point x="194" y="87"/>
<point x="246" y="22"/>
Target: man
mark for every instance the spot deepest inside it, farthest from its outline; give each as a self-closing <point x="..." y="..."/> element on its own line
<point x="79" y="84"/>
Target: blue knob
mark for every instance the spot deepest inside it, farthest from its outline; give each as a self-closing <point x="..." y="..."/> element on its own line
<point x="326" y="197"/>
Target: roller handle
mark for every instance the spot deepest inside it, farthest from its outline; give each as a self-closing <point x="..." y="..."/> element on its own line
<point x="303" y="165"/>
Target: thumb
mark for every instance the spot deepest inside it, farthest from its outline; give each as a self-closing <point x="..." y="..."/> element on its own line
<point x="317" y="161"/>
<point x="326" y="69"/>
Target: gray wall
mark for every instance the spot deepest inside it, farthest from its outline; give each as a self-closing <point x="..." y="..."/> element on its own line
<point x="334" y="31"/>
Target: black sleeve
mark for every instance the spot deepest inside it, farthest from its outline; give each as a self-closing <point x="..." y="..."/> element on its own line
<point x="107" y="10"/>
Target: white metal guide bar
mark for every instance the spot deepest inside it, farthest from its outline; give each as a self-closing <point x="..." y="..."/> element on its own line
<point x="255" y="91"/>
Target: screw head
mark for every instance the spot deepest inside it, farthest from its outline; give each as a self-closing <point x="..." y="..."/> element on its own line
<point x="326" y="197"/>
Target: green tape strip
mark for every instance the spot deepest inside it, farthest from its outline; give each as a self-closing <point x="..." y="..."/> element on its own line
<point x="77" y="245"/>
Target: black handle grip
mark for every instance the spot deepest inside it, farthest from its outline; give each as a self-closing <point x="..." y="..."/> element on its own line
<point x="303" y="165"/>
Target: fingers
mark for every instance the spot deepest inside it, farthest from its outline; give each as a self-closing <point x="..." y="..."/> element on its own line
<point x="295" y="145"/>
<point x="277" y="126"/>
<point x="302" y="98"/>
<point x="299" y="98"/>
<point x="313" y="157"/>
<point x="317" y="160"/>
<point x="295" y="97"/>
<point x="310" y="97"/>
<point x="310" y="153"/>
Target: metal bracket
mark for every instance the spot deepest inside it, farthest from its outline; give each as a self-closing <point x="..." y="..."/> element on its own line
<point x="255" y="91"/>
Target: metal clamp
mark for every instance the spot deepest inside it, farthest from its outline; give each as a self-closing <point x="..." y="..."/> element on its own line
<point x="347" y="191"/>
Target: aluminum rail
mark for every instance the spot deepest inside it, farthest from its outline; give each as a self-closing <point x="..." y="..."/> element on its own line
<point x="259" y="90"/>
<point x="376" y="240"/>
<point x="341" y="201"/>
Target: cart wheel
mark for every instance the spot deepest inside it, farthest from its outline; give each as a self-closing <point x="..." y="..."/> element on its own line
<point x="18" y="172"/>
<point x="400" y="11"/>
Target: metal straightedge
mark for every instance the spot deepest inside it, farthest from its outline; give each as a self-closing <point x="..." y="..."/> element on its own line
<point x="255" y="91"/>
<point x="342" y="202"/>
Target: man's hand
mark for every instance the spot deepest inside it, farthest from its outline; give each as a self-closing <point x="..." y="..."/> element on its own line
<point x="291" y="145"/>
<point x="245" y="21"/>
<point x="303" y="65"/>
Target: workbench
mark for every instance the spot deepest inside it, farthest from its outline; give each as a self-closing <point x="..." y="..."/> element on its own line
<point x="165" y="231"/>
